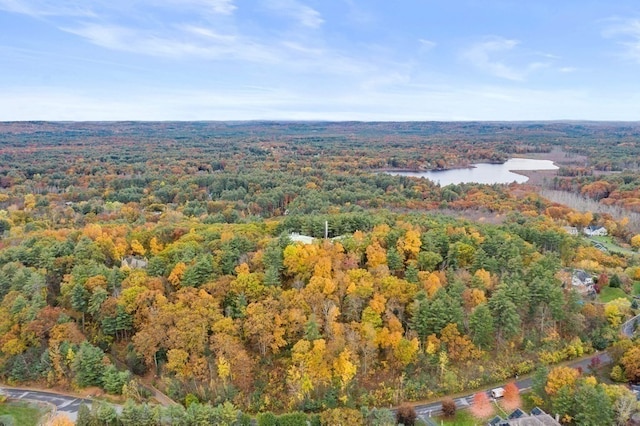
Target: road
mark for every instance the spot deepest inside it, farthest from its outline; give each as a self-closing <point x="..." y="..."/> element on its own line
<point x="425" y="411"/>
<point x="64" y="404"/>
<point x="629" y="327"/>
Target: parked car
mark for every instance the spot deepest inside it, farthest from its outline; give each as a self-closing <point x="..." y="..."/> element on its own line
<point x="497" y="393"/>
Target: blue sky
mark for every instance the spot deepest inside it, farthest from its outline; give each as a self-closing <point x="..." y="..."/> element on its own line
<point x="319" y="60"/>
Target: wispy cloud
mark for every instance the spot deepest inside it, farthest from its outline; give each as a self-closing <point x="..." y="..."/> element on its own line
<point x="426" y="45"/>
<point x="217" y="7"/>
<point x="93" y="8"/>
<point x="489" y="56"/>
<point x="299" y="12"/>
<point x="358" y="14"/>
<point x="627" y="33"/>
<point x="188" y="41"/>
<point x="47" y="8"/>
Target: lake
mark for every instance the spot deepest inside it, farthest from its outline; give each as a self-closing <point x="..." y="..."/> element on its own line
<point x="484" y="172"/>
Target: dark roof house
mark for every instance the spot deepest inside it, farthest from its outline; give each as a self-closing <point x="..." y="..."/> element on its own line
<point x="537" y="417"/>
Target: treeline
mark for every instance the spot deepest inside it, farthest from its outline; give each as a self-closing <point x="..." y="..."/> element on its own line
<point x="142" y="414"/>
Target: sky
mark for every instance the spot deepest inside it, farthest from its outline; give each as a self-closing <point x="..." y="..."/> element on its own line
<point x="369" y="60"/>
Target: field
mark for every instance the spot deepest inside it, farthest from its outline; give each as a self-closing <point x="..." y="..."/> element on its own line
<point x="22" y="414"/>
<point x="608" y="294"/>
<point x="462" y="418"/>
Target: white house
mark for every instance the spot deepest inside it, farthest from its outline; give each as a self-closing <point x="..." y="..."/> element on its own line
<point x="595" y="231"/>
<point x="297" y="238"/>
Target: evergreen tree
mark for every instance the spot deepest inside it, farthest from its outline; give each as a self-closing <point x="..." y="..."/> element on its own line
<point x="85" y="418"/>
<point x="481" y="327"/>
<point x="88" y="366"/>
<point x="593" y="406"/>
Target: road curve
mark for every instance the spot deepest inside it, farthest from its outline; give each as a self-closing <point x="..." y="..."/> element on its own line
<point x="629" y="327"/>
<point x="65" y="404"/>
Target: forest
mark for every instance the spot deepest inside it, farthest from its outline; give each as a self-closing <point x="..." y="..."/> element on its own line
<point x="163" y="255"/>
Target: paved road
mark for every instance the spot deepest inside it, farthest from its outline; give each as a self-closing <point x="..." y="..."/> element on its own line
<point x="425" y="411"/>
<point x="629" y="327"/>
<point x="64" y="404"/>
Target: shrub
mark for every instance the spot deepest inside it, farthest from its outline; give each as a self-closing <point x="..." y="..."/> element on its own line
<point x="406" y="415"/>
<point x="292" y="419"/>
<point x="267" y="419"/>
<point x="449" y="407"/>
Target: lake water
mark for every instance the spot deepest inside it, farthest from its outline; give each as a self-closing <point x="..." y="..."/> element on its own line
<point x="484" y="172"/>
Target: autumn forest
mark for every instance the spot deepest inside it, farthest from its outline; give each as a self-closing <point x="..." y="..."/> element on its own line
<point x="169" y="257"/>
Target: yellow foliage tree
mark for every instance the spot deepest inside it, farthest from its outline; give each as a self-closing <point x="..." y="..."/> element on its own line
<point x="376" y="255"/>
<point x="431" y="282"/>
<point x="61" y="420"/>
<point x="483" y="277"/>
<point x="29" y="202"/>
<point x="137" y="249"/>
<point x="175" y="277"/>
<point x="410" y="244"/>
<point x="344" y="368"/>
<point x="459" y="347"/>
<point x="155" y="246"/>
<point x="178" y="362"/>
<point x="224" y="369"/>
<point x="405" y="351"/>
<point x="378" y="303"/>
<point x="559" y="377"/>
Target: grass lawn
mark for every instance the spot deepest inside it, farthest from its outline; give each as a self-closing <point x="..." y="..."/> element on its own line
<point x="462" y="418"/>
<point x="23" y="414"/>
<point x="608" y="294"/>
<point x="636" y="287"/>
<point x="611" y="245"/>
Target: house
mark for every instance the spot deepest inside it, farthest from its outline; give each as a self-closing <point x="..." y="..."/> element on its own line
<point x="581" y="277"/>
<point x="571" y="230"/>
<point x="537" y="417"/>
<point x="134" y="262"/>
<point x="582" y="281"/>
<point x="595" y="231"/>
<point x="297" y="238"/>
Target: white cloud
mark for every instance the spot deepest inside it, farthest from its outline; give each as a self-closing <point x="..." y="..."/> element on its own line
<point x="190" y="41"/>
<point x="301" y="13"/>
<point x="488" y="57"/>
<point x="47" y="8"/>
<point x="217" y="7"/>
<point x="627" y="32"/>
<point x="426" y="45"/>
<point x="96" y="8"/>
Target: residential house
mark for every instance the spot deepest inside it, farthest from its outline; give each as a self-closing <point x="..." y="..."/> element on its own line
<point x="571" y="230"/>
<point x="582" y="281"/>
<point x="595" y="231"/>
<point x="537" y="417"/>
<point x="298" y="238"/>
<point x="134" y="262"/>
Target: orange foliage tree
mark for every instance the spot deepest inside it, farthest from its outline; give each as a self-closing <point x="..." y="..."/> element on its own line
<point x="481" y="407"/>
<point x="511" y="398"/>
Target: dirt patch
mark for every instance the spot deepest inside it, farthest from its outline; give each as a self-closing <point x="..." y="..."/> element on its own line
<point x="558" y="156"/>
<point x="538" y="178"/>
